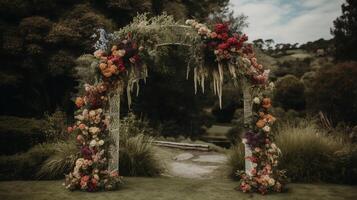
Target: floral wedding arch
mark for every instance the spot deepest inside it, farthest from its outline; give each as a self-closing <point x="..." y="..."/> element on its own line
<point x="120" y="63"/>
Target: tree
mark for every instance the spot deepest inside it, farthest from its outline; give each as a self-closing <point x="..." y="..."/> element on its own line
<point x="269" y="44"/>
<point x="41" y="39"/>
<point x="345" y="32"/>
<point x="259" y="43"/>
<point x="334" y="92"/>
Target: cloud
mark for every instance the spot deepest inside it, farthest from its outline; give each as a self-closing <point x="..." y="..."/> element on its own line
<point x="289" y="20"/>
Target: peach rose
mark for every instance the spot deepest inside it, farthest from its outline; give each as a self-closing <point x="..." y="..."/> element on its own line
<point x="102" y="66"/>
<point x="266" y="103"/>
<point x="260" y="123"/>
<point x="79" y="102"/>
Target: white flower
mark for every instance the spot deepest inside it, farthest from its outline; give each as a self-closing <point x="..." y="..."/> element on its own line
<point x="92" y="113"/>
<point x="100" y="142"/>
<point x="86" y="87"/>
<point x="95" y="176"/>
<point x="271" y="181"/>
<point x="94" y="130"/>
<point x="266" y="128"/>
<point x="85" y="112"/>
<point x="93" y="143"/>
<point x="79" y="117"/>
<point x="98" y="53"/>
<point x="189" y="21"/>
<point x="271" y="85"/>
<point x="256" y="100"/>
<point x="79" y="162"/>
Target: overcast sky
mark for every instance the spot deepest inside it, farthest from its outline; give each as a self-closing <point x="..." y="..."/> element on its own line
<point x="288" y="20"/>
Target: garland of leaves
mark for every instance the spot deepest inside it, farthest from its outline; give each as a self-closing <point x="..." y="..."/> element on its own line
<point x="214" y="52"/>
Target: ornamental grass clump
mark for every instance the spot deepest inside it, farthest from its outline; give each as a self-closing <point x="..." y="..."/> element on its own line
<point x="309" y="154"/>
<point x="137" y="155"/>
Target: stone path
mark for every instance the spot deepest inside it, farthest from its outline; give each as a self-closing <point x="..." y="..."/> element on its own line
<point x="193" y="164"/>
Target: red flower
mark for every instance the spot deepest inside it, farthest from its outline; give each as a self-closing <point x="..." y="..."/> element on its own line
<point x="121" y="67"/>
<point x="223" y="46"/>
<point x="232" y="41"/>
<point x="223" y="36"/>
<point x="244" y="38"/>
<point x="221" y="28"/>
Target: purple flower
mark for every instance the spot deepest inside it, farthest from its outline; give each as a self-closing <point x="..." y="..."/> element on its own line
<point x="86" y="152"/>
<point x="254" y="139"/>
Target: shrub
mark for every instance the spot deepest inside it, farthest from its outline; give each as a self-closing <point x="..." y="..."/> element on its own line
<point x="19" y="134"/>
<point x="56" y="126"/>
<point x="309" y="155"/>
<point x="60" y="162"/>
<point x="25" y="165"/>
<point x="334" y="92"/>
<point x="289" y="93"/>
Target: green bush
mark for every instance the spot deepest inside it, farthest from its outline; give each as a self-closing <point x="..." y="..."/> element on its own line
<point x="289" y="93"/>
<point x="25" y="165"/>
<point x="19" y="134"/>
<point x="309" y="155"/>
<point x="334" y="92"/>
<point x="60" y="162"/>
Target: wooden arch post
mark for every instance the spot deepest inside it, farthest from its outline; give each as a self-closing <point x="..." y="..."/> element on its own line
<point x="114" y="130"/>
<point x="247" y="114"/>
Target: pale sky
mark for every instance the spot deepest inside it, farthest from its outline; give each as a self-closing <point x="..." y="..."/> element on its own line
<point x="288" y="20"/>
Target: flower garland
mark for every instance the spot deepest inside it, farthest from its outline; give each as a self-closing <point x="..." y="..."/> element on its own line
<point x="263" y="177"/>
<point x="222" y="49"/>
<point x="92" y="123"/>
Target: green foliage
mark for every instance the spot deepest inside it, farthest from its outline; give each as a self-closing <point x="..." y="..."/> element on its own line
<point x="61" y="64"/>
<point x="236" y="159"/>
<point x="309" y="154"/>
<point x="294" y="67"/>
<point x="34" y="29"/>
<point x="19" y="134"/>
<point x="25" y="165"/>
<point x="56" y="126"/>
<point x="137" y="156"/>
<point x="289" y="93"/>
<point x="334" y="92"/>
<point x="345" y="32"/>
<point x="60" y="162"/>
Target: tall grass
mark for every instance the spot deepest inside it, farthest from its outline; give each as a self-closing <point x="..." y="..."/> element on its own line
<point x="309" y="154"/>
<point x="236" y="159"/>
<point x="137" y="155"/>
<point x="60" y="162"/>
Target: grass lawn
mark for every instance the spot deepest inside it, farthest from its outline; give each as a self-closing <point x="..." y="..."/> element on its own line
<point x="170" y="188"/>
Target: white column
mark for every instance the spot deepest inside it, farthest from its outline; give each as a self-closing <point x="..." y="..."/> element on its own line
<point x="114" y="131"/>
<point x="247" y="101"/>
